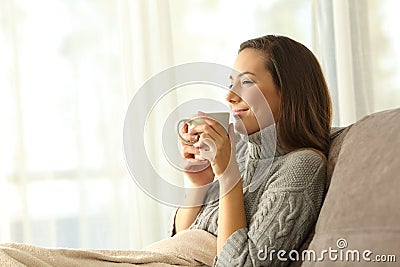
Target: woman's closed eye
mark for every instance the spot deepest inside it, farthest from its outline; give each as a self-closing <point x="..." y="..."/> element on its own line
<point x="244" y="82"/>
<point x="247" y="82"/>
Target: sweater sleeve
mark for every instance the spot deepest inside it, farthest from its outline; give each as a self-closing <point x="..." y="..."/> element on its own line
<point x="286" y="212"/>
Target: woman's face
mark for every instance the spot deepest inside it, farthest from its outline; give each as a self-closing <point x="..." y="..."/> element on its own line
<point x="244" y="98"/>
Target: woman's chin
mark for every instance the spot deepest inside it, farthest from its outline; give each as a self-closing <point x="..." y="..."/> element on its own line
<point x="246" y="125"/>
<point x="241" y="128"/>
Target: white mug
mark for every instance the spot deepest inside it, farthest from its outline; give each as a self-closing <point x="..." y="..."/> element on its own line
<point x="221" y="117"/>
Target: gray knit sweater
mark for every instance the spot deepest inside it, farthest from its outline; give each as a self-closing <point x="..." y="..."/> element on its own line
<point x="280" y="212"/>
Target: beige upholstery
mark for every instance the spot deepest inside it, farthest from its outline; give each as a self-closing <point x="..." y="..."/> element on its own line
<point x="337" y="138"/>
<point x="362" y="203"/>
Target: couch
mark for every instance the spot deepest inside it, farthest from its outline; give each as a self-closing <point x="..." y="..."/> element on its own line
<point x="360" y="216"/>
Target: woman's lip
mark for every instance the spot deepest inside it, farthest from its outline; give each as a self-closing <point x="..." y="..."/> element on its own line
<point x="240" y="111"/>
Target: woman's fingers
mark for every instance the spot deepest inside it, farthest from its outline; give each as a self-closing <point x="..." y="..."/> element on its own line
<point x="209" y="130"/>
<point x="190" y="151"/>
<point x="184" y="129"/>
<point x="212" y="139"/>
<point x="186" y="136"/>
<point x="215" y="125"/>
<point x="205" y="140"/>
<point x="192" y="138"/>
<point x="209" y="124"/>
<point x="207" y="149"/>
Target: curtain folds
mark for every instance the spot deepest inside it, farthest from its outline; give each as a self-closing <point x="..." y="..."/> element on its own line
<point x="65" y="90"/>
<point x="341" y="37"/>
<point x="356" y="42"/>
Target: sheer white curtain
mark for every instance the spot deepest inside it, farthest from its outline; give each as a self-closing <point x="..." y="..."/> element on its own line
<point x="68" y="71"/>
<point x="357" y="42"/>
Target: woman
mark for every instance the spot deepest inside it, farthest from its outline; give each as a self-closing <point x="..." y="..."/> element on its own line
<point x="280" y="213"/>
<point x="248" y="224"/>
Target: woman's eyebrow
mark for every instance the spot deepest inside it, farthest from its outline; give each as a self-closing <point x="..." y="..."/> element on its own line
<point x="241" y="74"/>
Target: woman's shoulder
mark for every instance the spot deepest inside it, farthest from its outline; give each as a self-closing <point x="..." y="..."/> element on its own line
<point x="305" y="156"/>
<point x="300" y="168"/>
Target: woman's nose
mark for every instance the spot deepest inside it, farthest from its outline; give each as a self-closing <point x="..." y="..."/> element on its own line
<point x="232" y="97"/>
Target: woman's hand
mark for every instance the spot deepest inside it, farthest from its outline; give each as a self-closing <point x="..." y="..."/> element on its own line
<point x="198" y="171"/>
<point x="231" y="213"/>
<point x="216" y="145"/>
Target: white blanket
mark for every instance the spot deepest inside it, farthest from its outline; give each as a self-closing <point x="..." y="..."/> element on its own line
<point x="187" y="248"/>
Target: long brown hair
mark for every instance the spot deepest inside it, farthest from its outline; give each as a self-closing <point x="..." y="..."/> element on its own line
<point x="305" y="114"/>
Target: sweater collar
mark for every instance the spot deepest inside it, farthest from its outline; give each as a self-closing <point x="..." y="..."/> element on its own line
<point x="263" y="144"/>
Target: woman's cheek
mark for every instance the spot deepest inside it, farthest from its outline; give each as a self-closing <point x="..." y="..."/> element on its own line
<point x="259" y="106"/>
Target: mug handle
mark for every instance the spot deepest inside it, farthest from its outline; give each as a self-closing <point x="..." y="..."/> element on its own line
<point x="178" y="129"/>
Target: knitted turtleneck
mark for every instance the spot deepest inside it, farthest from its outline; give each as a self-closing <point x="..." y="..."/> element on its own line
<point x="281" y="204"/>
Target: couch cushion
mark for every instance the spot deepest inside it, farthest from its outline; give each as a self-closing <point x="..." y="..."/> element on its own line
<point x="361" y="206"/>
<point x="337" y="138"/>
